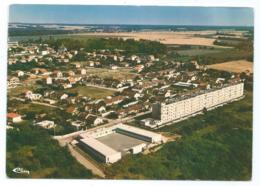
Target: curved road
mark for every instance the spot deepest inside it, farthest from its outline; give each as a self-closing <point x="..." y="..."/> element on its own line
<point x="85" y="162"/>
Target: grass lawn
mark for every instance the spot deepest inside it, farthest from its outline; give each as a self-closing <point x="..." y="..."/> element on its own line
<point x="23" y="87"/>
<point x="92" y="92"/>
<point x="197" y="51"/>
<point x="35" y="108"/>
<point x="58" y="36"/>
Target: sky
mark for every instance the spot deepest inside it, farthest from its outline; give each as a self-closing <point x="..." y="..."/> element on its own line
<point x="144" y="15"/>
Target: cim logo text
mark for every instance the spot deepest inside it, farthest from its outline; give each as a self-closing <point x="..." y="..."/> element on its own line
<point x="20" y="170"/>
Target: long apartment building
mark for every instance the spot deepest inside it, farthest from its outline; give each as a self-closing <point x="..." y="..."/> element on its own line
<point x="182" y="107"/>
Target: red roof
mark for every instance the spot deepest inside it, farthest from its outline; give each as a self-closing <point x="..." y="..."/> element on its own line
<point x="12" y="115"/>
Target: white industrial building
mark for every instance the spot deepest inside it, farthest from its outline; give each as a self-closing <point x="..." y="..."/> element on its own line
<point x="138" y="148"/>
<point x="139" y="133"/>
<point x="101" y="151"/>
<point x="182" y="107"/>
<point x="89" y="141"/>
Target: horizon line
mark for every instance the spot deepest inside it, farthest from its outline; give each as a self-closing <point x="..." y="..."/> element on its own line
<point x="111" y="24"/>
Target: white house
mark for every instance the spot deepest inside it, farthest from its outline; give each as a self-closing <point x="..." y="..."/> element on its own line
<point x="167" y="94"/>
<point x="46" y="124"/>
<point x="138" y="95"/>
<point x="83" y="71"/>
<point x="93" y="120"/>
<point x="66" y="60"/>
<point x="50" y="101"/>
<point x="64" y="96"/>
<point x="48" y="80"/>
<point x="44" y="52"/>
<point x="115" y="58"/>
<point x="91" y="64"/>
<point x="30" y="95"/>
<point x="220" y="80"/>
<point x="102" y="109"/>
<point x="14" y="117"/>
<point x="20" y="73"/>
<point x="114" y="67"/>
<point x="65" y="86"/>
<point x="77" y="124"/>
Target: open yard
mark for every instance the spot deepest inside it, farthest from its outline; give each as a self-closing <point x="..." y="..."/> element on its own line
<point x="34" y="107"/>
<point x="234" y="66"/>
<point x="120" y="74"/>
<point x="29" y="84"/>
<point x="93" y="92"/>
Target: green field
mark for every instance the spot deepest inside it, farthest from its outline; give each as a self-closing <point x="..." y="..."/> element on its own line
<point x="57" y="36"/>
<point x="92" y="92"/>
<point x="214" y="146"/>
<point x="198" y="51"/>
<point x="35" y="108"/>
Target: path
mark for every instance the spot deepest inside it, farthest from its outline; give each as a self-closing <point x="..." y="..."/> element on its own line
<point x="85" y="162"/>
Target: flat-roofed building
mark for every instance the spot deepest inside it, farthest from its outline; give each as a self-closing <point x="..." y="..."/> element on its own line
<point x="139" y="133"/>
<point x="182" y="107"/>
<point x="109" y="144"/>
<point x="100" y="151"/>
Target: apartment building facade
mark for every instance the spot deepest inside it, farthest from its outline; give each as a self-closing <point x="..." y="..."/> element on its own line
<point x="174" y="110"/>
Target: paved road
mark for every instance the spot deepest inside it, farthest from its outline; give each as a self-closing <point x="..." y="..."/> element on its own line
<point x="68" y="137"/>
<point x="85" y="162"/>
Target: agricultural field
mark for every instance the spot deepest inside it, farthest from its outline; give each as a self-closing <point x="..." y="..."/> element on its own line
<point x="234" y="66"/>
<point x="200" y="51"/>
<point x="180" y="38"/>
<point x="92" y="92"/>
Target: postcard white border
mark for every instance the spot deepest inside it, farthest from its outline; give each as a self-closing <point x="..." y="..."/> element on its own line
<point x="68" y="182"/>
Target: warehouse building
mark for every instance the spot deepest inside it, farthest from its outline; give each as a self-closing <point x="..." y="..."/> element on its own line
<point x="109" y="144"/>
<point x="182" y="107"/>
<point x="139" y="133"/>
<point x="101" y="152"/>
